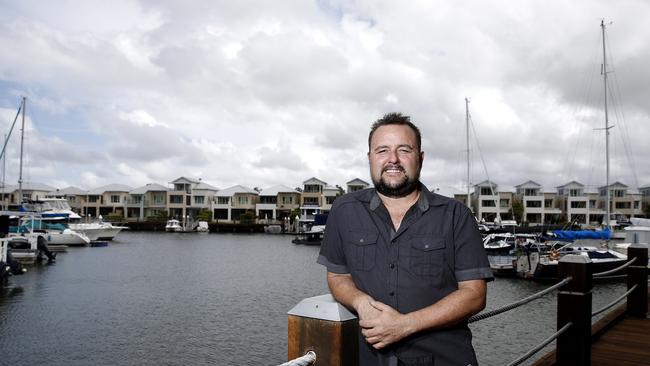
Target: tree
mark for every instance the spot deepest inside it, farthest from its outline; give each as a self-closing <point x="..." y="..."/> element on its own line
<point x="518" y="210"/>
<point x="205" y="215"/>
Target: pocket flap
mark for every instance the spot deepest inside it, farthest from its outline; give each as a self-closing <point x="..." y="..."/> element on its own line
<point x="363" y="237"/>
<point x="427" y="243"/>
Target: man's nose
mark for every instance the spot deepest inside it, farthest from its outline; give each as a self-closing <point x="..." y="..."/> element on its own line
<point x="393" y="156"/>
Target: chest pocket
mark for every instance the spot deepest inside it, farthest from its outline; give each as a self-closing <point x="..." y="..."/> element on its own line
<point x="426" y="256"/>
<point x="363" y="247"/>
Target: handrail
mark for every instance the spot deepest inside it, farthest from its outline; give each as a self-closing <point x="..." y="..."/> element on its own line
<point x="605" y="273"/>
<point x="516" y="304"/>
<point x="308" y="359"/>
<point x="544" y="343"/>
<point x="613" y="302"/>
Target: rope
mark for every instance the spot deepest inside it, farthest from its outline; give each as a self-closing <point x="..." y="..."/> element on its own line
<point x="614" y="302"/>
<point x="516" y="304"/>
<point x="605" y="273"/>
<point x="541" y="345"/>
<point x="308" y="359"/>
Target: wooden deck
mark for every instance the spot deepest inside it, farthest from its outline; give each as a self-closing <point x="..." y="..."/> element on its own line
<point x="617" y="340"/>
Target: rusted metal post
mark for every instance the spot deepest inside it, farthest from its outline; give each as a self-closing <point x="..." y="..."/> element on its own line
<point x="574" y="306"/>
<point x="637" y="274"/>
<point x="322" y="325"/>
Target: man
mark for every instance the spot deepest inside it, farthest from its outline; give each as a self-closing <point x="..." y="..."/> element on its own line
<point x="409" y="262"/>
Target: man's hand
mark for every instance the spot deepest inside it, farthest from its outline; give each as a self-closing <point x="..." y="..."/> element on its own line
<point x="387" y="327"/>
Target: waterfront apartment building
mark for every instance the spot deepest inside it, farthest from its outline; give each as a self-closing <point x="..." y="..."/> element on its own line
<point x="234" y="201"/>
<point x="356" y="184"/>
<point x="490" y="203"/>
<point x="539" y="207"/>
<point x="276" y="203"/>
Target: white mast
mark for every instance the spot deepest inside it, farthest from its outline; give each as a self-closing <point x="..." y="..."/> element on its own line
<point x="607" y="127"/>
<point x="469" y="203"/>
<point x="22" y="138"/>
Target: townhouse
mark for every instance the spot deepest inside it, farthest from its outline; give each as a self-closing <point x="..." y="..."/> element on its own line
<point x="276" y="203"/>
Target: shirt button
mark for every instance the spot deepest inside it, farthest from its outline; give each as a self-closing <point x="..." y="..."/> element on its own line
<point x="391" y="293"/>
<point x="391" y="266"/>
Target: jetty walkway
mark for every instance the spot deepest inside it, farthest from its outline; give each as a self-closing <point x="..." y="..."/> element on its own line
<point x="323" y="332"/>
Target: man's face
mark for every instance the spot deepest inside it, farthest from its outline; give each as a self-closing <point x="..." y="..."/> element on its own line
<point x="395" y="160"/>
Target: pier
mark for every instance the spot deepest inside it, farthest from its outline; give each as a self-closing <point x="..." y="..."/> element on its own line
<point x="621" y="337"/>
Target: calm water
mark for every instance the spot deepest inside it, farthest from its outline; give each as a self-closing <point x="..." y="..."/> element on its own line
<point x="204" y="299"/>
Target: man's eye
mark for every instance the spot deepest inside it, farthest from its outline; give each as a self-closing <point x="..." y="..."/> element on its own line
<point x="405" y="150"/>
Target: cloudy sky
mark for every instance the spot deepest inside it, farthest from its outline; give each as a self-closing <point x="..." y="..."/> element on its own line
<point x="260" y="93"/>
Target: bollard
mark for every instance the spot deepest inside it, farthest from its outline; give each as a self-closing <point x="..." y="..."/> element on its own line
<point x="574" y="305"/>
<point x="322" y="325"/>
<point x="637" y="274"/>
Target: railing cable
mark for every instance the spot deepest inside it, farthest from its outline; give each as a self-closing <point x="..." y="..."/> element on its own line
<point x="516" y="304"/>
<point x="308" y="359"/>
<point x="605" y="273"/>
<point x="614" y="302"/>
<point x="541" y="345"/>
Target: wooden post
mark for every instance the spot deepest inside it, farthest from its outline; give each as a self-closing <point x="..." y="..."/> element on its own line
<point x="322" y="325"/>
<point x="637" y="274"/>
<point x="574" y="305"/>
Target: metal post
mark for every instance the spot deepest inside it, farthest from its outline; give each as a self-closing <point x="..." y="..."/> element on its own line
<point x="322" y="325"/>
<point x="637" y="274"/>
<point x="574" y="306"/>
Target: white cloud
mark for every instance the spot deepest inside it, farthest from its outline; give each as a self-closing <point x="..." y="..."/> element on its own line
<point x="262" y="93"/>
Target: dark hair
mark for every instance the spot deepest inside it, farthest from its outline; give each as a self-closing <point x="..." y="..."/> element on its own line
<point x="395" y="118"/>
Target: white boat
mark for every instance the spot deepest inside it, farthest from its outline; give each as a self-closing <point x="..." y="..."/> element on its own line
<point x="55" y="233"/>
<point x="97" y="230"/>
<point x="173" y="225"/>
<point x="202" y="227"/>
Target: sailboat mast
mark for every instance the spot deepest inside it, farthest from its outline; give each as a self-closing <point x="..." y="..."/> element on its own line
<point x="22" y="138"/>
<point x="607" y="127"/>
<point x="469" y="203"/>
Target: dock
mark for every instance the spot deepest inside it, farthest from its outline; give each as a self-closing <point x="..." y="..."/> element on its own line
<point x="617" y="340"/>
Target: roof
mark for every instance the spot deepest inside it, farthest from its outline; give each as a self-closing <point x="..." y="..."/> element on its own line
<point x="615" y="184"/>
<point x="485" y="183"/>
<point x="231" y="191"/>
<point x="30" y="186"/>
<point x="314" y="180"/>
<point x="185" y="180"/>
<point x="275" y="190"/>
<point x="572" y="183"/>
<point x="69" y="191"/>
<point x="206" y="187"/>
<point x="357" y="182"/>
<point x="110" y="188"/>
<point x="529" y="183"/>
<point x="149" y="187"/>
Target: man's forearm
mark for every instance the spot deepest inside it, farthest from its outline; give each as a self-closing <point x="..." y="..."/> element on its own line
<point x="346" y="292"/>
<point x="468" y="300"/>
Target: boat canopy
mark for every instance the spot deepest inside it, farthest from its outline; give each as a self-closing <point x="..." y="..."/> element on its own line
<point x="582" y="234"/>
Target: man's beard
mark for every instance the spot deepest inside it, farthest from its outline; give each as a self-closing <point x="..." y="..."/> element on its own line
<point x="402" y="189"/>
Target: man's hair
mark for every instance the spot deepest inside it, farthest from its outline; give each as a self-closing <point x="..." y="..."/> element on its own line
<point x="395" y="118"/>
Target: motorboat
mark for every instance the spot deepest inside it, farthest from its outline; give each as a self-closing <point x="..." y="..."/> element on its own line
<point x="314" y="236"/>
<point x="173" y="225"/>
<point x="55" y="233"/>
<point x="202" y="227"/>
<point x="97" y="230"/>
<point x="543" y="265"/>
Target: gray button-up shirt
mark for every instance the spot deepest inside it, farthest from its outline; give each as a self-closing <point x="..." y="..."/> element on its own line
<point x="436" y="246"/>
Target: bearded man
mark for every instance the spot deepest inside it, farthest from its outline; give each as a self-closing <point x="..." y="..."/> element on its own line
<point x="409" y="262"/>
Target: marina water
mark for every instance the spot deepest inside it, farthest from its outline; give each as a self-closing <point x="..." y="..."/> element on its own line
<point x="206" y="299"/>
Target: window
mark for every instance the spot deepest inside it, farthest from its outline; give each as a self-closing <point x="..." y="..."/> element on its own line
<point x="575" y="192"/>
<point x="92" y="199"/>
<point x="243" y="200"/>
<point x="592" y="203"/>
<point x="176" y="199"/>
<point x="329" y="199"/>
<point x="199" y="200"/>
<point x="636" y="205"/>
<point x="487" y="203"/>
<point x="287" y="200"/>
<point x="530" y="192"/>
<point x="115" y="198"/>
<point x="504" y="203"/>
<point x="311" y="201"/>
<point x="158" y="199"/>
<point x="578" y="204"/>
<point x="223" y="200"/>
<point x="534" y="204"/>
<point x="136" y="199"/>
<point x="548" y="203"/>
<point x="618" y="193"/>
<point x="486" y="191"/>
<point x="312" y="188"/>
<point x="623" y="205"/>
<point x="268" y="199"/>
